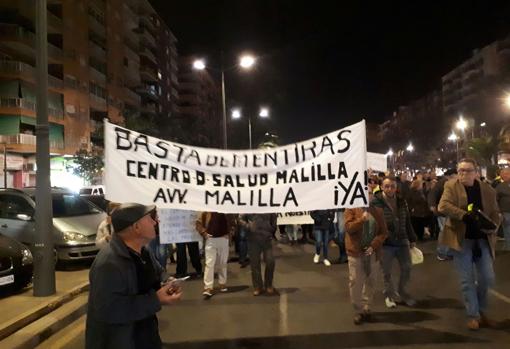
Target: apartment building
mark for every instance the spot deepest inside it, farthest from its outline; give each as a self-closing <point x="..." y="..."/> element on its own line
<point x="200" y="102"/>
<point x="466" y="88"/>
<point x="112" y="59"/>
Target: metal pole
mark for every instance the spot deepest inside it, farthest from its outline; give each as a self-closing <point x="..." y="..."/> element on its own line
<point x="44" y="263"/>
<point x="224" y="108"/>
<point x="249" y="129"/>
<point x="5" y="165"/>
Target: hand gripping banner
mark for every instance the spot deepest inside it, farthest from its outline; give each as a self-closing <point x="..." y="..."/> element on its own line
<point x="325" y="172"/>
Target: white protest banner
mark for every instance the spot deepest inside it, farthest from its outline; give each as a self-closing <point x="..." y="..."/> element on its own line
<point x="177" y="226"/>
<point x="302" y="217"/>
<point x="377" y="162"/>
<point x="325" y="172"/>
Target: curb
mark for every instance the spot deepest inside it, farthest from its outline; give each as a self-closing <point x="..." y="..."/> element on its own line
<point x="26" y="318"/>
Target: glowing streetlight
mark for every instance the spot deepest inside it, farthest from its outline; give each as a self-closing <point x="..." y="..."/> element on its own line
<point x="461" y="124"/>
<point x="389" y="153"/>
<point x="199" y="64"/>
<point x="264" y="113"/>
<point x="507" y="100"/>
<point x="247" y="61"/>
<point x="410" y="148"/>
<point x="483" y="124"/>
<point x="453" y="137"/>
<point x="236" y="114"/>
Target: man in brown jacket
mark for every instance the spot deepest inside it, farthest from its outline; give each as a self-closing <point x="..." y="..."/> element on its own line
<point x="366" y="232"/>
<point x="471" y="244"/>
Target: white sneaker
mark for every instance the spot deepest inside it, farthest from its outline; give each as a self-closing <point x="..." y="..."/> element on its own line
<point x="390" y="303"/>
<point x="316" y="258"/>
<point x="327" y="263"/>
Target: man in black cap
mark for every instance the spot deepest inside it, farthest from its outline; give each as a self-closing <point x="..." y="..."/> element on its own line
<point x="125" y="285"/>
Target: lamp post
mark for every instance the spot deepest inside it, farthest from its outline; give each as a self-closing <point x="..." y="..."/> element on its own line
<point x="245" y="62"/>
<point x="454" y="138"/>
<point x="389" y="155"/>
<point x="263" y="113"/>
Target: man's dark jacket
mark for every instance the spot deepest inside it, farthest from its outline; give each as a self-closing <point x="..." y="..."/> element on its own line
<point x="400" y="230"/>
<point x="114" y="303"/>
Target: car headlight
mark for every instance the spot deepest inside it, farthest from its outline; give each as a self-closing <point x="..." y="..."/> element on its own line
<point x="26" y="256"/>
<point x="73" y="236"/>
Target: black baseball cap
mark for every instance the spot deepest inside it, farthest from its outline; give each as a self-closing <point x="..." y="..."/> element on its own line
<point x="127" y="214"/>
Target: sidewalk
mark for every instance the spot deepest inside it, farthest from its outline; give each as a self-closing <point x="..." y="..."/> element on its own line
<point x="19" y="310"/>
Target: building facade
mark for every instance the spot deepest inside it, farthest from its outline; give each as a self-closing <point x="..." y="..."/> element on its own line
<point x="112" y="59"/>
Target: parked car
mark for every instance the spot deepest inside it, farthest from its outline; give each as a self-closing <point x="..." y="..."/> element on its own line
<point x="95" y="194"/>
<point x="75" y="221"/>
<point x="16" y="265"/>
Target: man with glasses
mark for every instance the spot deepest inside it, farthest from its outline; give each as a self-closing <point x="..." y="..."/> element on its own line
<point x="472" y="245"/>
<point x="125" y="284"/>
<point x="401" y="238"/>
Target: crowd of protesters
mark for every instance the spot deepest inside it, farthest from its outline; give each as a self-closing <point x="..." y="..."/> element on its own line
<point x="460" y="209"/>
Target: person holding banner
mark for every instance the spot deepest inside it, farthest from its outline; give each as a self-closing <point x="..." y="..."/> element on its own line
<point x="125" y="285"/>
<point x="366" y="232"/>
<point x="214" y="228"/>
<point x="323" y="224"/>
<point x="401" y="238"/>
<point x="260" y="230"/>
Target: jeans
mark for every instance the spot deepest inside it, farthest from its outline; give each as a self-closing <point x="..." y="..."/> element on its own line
<point x="321" y="238"/>
<point x="159" y="251"/>
<point x="340" y="236"/>
<point x="474" y="285"/>
<point x="403" y="256"/>
<point x="256" y="248"/>
<point x="442" y="250"/>
<point x="242" y="246"/>
<point x="182" y="260"/>
<point x="292" y="230"/>
<point x="506" y="229"/>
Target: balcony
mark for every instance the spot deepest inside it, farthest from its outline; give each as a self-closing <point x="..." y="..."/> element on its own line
<point x="54" y="23"/>
<point x="29" y="140"/>
<point x="96" y="25"/>
<point x="131" y="44"/>
<point x="147" y="53"/>
<point x="149" y="92"/>
<point x="27" y="72"/>
<point x="132" y="97"/>
<point x="97" y="51"/>
<point x="146" y="20"/>
<point x="22" y="103"/>
<point x="148" y="74"/>
<point x="97" y="103"/>
<point x="97" y="76"/>
<point x="146" y="37"/>
<point x="20" y="40"/>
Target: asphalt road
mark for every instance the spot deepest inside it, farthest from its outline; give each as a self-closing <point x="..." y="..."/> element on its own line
<point x="314" y="310"/>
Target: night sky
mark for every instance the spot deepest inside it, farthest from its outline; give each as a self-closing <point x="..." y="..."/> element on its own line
<point x="325" y="64"/>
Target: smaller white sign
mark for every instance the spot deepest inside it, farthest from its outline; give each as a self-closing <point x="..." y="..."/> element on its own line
<point x="177" y="226"/>
<point x="302" y="217"/>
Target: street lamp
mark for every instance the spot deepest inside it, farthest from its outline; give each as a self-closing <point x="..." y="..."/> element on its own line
<point x="461" y="124"/>
<point x="507" y="100"/>
<point x="263" y="113"/>
<point x="410" y="148"/>
<point x="454" y="138"/>
<point x="245" y="62"/>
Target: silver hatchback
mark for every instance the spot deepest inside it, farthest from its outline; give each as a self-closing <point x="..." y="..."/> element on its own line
<point x="75" y="221"/>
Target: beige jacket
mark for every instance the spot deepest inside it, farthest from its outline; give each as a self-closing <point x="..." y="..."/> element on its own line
<point x="453" y="205"/>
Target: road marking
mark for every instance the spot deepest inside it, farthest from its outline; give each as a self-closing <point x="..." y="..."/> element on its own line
<point x="284" y="315"/>
<point x="500" y="296"/>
